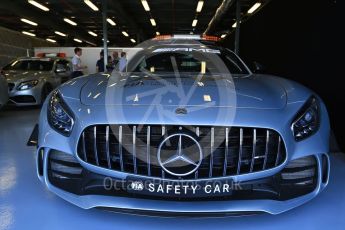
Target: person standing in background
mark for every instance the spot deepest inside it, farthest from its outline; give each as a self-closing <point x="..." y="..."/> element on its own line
<point x="123" y="62"/>
<point x="76" y="62"/>
<point x="100" y="62"/>
<point x="110" y="66"/>
<point x="115" y="58"/>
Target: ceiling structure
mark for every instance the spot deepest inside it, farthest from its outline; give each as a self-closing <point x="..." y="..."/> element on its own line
<point x="130" y="16"/>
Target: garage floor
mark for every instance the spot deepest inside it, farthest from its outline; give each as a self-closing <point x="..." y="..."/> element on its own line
<point x="26" y="204"/>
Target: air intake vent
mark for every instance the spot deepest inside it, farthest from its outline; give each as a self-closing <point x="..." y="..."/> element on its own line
<point x="65" y="166"/>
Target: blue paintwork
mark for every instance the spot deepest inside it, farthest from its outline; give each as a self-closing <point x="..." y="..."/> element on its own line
<point x="261" y="101"/>
<point x="267" y="94"/>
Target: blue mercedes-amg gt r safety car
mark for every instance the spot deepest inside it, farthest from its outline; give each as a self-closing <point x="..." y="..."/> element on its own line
<point x="184" y="129"/>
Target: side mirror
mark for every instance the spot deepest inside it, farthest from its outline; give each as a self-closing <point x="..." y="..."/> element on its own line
<point x="258" y="68"/>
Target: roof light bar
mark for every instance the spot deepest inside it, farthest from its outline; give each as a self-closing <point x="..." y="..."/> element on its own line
<point x="153" y="22"/>
<point x="145" y="5"/>
<point x="91" y="5"/>
<point x="199" y="6"/>
<point x="187" y="37"/>
<point x="59" y="33"/>
<point x="125" y="33"/>
<point x="254" y="8"/>
<point x="28" y="21"/>
<point x="77" y="40"/>
<point x="38" y="5"/>
<point x="70" y="22"/>
<point x="111" y="22"/>
<point x="28" y="33"/>
<point x="183" y="36"/>
<point x="51" y="40"/>
<point x="92" y="33"/>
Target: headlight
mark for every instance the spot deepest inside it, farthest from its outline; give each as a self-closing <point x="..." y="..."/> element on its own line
<point x="59" y="115"/>
<point x="27" y="85"/>
<point x="307" y="121"/>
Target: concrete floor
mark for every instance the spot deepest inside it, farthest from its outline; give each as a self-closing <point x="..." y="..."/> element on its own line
<point x="26" y="204"/>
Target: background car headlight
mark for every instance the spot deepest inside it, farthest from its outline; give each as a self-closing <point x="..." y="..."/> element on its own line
<point x="59" y="115"/>
<point x="27" y="85"/>
<point x="308" y="120"/>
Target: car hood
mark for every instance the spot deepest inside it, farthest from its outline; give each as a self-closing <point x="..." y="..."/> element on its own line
<point x="20" y="76"/>
<point x="184" y="91"/>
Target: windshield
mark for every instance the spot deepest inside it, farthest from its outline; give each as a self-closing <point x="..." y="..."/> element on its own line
<point x="187" y="60"/>
<point x="27" y="65"/>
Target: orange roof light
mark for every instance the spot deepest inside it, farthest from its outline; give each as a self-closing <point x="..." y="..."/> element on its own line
<point x="210" y="38"/>
<point x="162" y="37"/>
<point x="61" y="55"/>
<point x="40" y="55"/>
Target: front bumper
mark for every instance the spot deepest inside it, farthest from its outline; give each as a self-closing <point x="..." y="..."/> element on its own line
<point x="91" y="197"/>
<point x="26" y="97"/>
<point x="316" y="145"/>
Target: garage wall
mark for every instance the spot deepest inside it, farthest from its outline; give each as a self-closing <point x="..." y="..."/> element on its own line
<point x="301" y="40"/>
<point x="14" y="44"/>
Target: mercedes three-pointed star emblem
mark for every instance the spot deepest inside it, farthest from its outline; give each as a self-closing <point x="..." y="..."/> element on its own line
<point x="180" y="155"/>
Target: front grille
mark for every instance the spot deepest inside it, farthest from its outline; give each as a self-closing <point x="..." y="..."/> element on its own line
<point x="227" y="151"/>
<point x="10" y="86"/>
<point x="23" y="99"/>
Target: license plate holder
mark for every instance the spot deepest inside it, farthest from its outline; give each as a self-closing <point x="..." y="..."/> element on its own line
<point x="179" y="188"/>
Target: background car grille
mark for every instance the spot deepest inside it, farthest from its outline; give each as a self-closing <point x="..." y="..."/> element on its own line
<point x="228" y="150"/>
<point x="23" y="99"/>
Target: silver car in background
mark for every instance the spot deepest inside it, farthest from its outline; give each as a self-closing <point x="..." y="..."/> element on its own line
<point x="31" y="79"/>
<point x="3" y="91"/>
